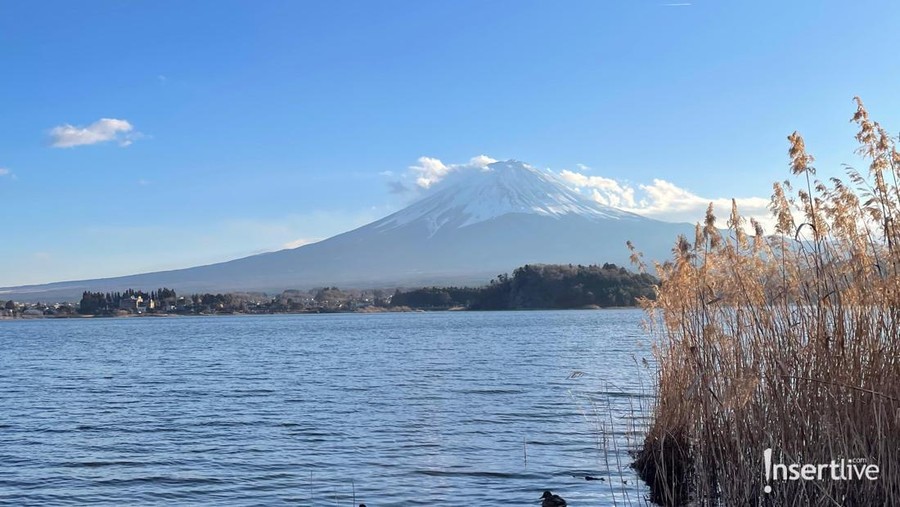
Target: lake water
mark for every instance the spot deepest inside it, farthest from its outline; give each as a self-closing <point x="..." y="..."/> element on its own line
<point x="450" y="408"/>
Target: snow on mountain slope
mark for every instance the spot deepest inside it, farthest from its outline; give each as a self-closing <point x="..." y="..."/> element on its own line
<point x="477" y="195"/>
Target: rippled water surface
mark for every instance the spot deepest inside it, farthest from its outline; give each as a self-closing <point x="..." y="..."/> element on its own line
<point x="452" y="408"/>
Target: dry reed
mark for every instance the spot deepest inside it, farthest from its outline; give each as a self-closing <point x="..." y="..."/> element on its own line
<point x="788" y="341"/>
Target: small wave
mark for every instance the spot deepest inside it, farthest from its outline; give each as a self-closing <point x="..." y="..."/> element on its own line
<point x="98" y="464"/>
<point x="161" y="480"/>
<point x="488" y="474"/>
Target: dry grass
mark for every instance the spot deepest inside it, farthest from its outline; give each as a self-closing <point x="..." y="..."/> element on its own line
<point x="789" y="341"/>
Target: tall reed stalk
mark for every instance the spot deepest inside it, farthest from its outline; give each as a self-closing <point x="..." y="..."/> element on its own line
<point x="788" y="341"/>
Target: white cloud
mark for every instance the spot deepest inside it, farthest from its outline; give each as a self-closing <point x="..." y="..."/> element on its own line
<point x="4" y="171"/>
<point x="481" y="161"/>
<point x="431" y="170"/>
<point x="664" y="200"/>
<point x="102" y="130"/>
<point x="603" y="190"/>
<point x="397" y="187"/>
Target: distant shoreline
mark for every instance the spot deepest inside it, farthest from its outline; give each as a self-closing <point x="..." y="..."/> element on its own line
<point x="343" y="312"/>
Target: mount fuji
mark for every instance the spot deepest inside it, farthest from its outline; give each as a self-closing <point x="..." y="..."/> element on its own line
<point x="477" y="224"/>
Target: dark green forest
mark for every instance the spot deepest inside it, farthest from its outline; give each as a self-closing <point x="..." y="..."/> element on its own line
<point x="539" y="286"/>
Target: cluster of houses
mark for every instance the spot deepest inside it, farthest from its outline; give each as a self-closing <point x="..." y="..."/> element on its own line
<point x="165" y="301"/>
<point x="14" y="309"/>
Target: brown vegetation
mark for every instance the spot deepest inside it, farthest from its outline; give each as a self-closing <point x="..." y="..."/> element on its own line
<point x="788" y="341"/>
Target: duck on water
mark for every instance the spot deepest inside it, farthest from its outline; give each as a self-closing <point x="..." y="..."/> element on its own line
<point x="551" y="500"/>
<point x="548" y="499"/>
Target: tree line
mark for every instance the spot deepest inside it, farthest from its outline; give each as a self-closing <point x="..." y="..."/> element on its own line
<point x="540" y="286"/>
<point x="164" y="299"/>
<point x="533" y="286"/>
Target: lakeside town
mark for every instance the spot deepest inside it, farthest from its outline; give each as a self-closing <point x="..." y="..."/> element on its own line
<point x="166" y="302"/>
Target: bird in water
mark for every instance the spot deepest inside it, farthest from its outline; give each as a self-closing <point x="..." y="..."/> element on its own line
<point x="551" y="500"/>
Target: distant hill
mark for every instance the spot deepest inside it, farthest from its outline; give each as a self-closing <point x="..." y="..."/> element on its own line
<point x="480" y="223"/>
<point x="533" y="287"/>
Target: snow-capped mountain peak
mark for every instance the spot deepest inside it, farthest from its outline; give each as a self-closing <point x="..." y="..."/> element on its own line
<point x="476" y="195"/>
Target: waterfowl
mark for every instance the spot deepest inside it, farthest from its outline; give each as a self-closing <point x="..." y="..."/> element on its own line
<point x="551" y="500"/>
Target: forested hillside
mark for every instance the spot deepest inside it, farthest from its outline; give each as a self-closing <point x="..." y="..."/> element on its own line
<point x="539" y="286"/>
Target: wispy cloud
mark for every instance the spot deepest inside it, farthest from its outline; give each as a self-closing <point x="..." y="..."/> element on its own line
<point x="681" y="4"/>
<point x="397" y="187"/>
<point x="101" y="131"/>
<point x="5" y="172"/>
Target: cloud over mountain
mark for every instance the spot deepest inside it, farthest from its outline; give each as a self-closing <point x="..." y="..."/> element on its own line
<point x="663" y="199"/>
<point x="430" y="171"/>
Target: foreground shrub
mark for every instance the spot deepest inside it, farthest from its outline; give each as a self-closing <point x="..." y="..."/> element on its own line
<point x="787" y="341"/>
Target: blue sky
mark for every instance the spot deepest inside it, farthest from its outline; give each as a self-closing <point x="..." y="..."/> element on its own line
<point x="139" y="136"/>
